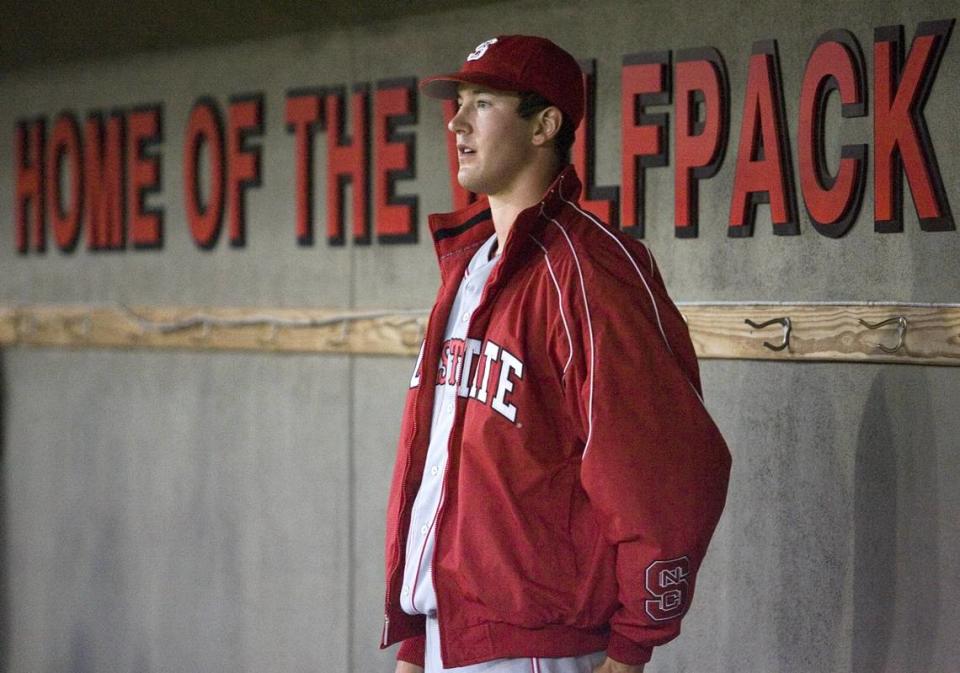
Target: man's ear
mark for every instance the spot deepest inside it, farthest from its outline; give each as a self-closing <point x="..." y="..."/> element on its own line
<point x="547" y="125"/>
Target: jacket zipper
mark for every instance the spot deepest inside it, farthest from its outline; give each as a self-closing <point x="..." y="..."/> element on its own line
<point x="413" y="434"/>
<point x="443" y="493"/>
<point x="494" y="279"/>
<point x="446" y="467"/>
<point x="403" y="485"/>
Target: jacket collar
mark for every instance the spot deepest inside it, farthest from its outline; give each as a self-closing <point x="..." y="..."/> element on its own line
<point x="469" y="227"/>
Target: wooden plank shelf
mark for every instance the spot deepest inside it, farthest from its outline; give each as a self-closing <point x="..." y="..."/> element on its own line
<point x="930" y="333"/>
<point x="907" y="333"/>
<point x="231" y="329"/>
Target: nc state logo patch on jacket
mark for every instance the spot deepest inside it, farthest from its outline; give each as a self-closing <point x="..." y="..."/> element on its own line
<point x="483" y="371"/>
<point x="667" y="582"/>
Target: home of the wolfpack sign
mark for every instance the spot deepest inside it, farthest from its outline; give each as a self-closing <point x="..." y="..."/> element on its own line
<point x="111" y="163"/>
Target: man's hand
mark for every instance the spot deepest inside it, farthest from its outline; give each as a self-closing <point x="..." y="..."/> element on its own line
<point x="611" y="666"/>
<point x="407" y="667"/>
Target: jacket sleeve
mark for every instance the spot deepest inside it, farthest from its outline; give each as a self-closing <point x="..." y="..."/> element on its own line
<point x="655" y="466"/>
<point x="412" y="650"/>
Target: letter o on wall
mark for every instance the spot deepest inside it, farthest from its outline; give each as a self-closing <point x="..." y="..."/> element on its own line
<point x="205" y="128"/>
<point x="65" y="150"/>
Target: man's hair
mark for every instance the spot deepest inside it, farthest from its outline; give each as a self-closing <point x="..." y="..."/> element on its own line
<point x="530" y="104"/>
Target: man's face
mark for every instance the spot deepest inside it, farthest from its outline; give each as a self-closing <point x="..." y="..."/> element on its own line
<point x="493" y="142"/>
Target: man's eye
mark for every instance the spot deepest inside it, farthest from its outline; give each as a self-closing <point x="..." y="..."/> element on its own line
<point x="483" y="103"/>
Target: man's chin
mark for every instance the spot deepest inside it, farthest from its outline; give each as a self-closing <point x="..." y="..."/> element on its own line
<point x="467" y="183"/>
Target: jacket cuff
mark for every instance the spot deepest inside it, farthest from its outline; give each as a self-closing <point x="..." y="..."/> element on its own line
<point x="411" y="650"/>
<point x="626" y="651"/>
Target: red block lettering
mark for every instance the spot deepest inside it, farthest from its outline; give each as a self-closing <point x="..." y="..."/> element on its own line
<point x="103" y="177"/>
<point x="645" y="80"/>
<point x="700" y="81"/>
<point x="144" y="127"/>
<point x="244" y="118"/>
<point x="832" y="202"/>
<point x="396" y="105"/>
<point x="65" y="149"/>
<point x="204" y="128"/>
<point x="763" y="173"/>
<point x="29" y="195"/>
<point x="457" y="349"/>
<point x="443" y="368"/>
<point x="604" y="202"/>
<point x="347" y="164"/>
<point x="900" y="136"/>
<point x="304" y="114"/>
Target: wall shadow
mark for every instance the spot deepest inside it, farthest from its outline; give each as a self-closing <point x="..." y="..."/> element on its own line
<point x="809" y="486"/>
<point x="896" y="573"/>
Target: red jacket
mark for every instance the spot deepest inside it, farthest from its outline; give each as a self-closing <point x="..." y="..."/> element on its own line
<point x="585" y="477"/>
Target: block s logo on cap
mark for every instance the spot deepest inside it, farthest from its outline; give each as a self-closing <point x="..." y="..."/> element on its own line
<point x="481" y="49"/>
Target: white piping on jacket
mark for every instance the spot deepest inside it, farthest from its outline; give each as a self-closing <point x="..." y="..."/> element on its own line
<point x="563" y="316"/>
<point x="586" y="306"/>
<point x="653" y="301"/>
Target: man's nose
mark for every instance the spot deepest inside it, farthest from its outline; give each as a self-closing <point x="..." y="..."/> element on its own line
<point x="457" y="123"/>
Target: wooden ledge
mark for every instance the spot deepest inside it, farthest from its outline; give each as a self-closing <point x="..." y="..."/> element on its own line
<point x="855" y="332"/>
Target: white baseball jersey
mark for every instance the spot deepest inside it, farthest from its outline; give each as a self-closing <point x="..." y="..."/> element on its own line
<point x="433" y="664"/>
<point x="418" y="595"/>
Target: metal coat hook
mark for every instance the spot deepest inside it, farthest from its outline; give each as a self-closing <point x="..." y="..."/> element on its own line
<point x="787" y="326"/>
<point x="901" y="331"/>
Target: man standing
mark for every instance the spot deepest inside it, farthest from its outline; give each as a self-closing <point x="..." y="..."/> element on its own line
<point x="558" y="478"/>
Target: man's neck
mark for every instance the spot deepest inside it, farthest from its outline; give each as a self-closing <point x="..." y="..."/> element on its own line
<point x="505" y="207"/>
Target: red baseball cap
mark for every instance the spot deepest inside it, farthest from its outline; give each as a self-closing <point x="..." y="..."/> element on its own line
<point x="518" y="63"/>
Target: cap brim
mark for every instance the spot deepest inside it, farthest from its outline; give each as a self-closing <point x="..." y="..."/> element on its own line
<point x="445" y="86"/>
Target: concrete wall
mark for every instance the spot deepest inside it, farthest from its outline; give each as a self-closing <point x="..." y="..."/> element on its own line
<point x="224" y="512"/>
